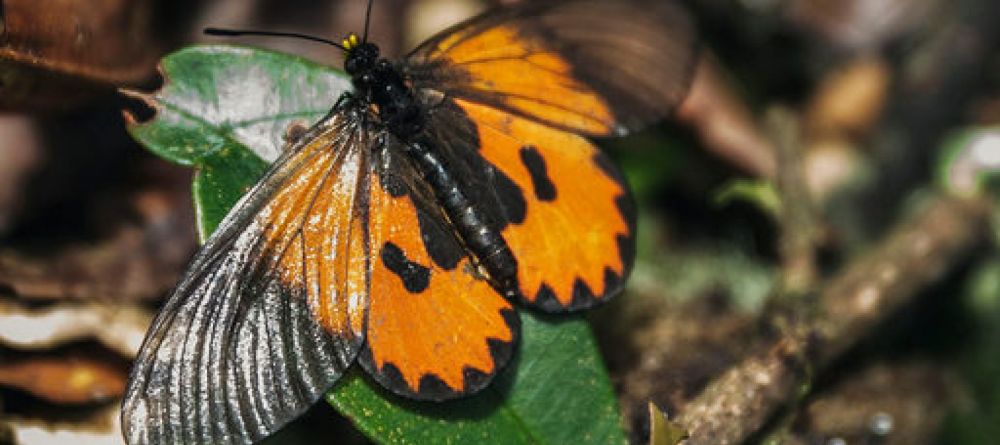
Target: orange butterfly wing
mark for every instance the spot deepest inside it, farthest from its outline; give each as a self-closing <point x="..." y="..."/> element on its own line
<point x="596" y="67"/>
<point x="511" y="95"/>
<point x="436" y="328"/>
<point x="316" y="259"/>
<point x="496" y="60"/>
<point x="575" y="245"/>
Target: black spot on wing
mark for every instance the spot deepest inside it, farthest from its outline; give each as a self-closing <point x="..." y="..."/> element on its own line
<point x="627" y="208"/>
<point x="625" y="203"/>
<point x="545" y="190"/>
<point x="399" y="178"/>
<point x="415" y="277"/>
<point x="583" y="297"/>
<point x="511" y="197"/>
<point x="434" y="388"/>
<point x="440" y="244"/>
<point x="614" y="283"/>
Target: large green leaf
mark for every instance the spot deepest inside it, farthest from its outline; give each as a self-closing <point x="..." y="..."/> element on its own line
<point x="224" y="110"/>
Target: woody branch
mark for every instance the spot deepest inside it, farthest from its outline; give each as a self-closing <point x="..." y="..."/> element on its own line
<point x="873" y="287"/>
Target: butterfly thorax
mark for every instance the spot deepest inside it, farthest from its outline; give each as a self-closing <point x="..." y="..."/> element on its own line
<point x="379" y="84"/>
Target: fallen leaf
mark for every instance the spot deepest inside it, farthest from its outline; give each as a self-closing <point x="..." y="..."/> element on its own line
<point x="103" y="428"/>
<point x="64" y="380"/>
<point x="120" y="327"/>
<point x="140" y="261"/>
<point x="58" y="53"/>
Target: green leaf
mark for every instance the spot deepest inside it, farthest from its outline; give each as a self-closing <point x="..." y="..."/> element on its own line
<point x="224" y="110"/>
<point x="764" y="194"/>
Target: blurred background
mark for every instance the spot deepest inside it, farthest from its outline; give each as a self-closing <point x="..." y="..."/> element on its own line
<point x="813" y="209"/>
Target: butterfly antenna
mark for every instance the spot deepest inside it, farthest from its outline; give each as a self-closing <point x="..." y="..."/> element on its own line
<point x="368" y="20"/>
<point x="243" y="32"/>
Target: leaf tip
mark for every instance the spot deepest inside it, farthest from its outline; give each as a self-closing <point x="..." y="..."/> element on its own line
<point x="139" y="107"/>
<point x="661" y="430"/>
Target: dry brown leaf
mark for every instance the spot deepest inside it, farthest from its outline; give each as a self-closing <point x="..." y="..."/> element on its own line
<point x="119" y="269"/>
<point x="65" y="380"/>
<point x="57" y="53"/>
<point x="103" y="428"/>
<point x="139" y="262"/>
<point x="120" y="327"/>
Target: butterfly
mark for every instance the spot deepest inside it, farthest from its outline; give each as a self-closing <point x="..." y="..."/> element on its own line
<point x="401" y="230"/>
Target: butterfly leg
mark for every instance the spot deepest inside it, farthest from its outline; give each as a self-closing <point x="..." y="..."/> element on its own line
<point x="345" y="98"/>
<point x="294" y="132"/>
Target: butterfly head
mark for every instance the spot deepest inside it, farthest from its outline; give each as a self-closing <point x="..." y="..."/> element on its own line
<point x="361" y="55"/>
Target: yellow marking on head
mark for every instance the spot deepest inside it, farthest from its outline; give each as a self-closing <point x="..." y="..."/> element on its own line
<point x="351" y="41"/>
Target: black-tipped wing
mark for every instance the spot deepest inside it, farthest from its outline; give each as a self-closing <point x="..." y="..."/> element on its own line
<point x="599" y="67"/>
<point x="272" y="309"/>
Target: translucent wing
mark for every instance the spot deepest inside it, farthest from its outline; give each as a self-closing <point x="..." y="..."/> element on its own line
<point x="597" y="67"/>
<point x="272" y="309"/>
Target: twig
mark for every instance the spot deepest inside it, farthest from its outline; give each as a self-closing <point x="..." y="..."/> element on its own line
<point x="913" y="256"/>
<point x="738" y="402"/>
<point x="798" y="217"/>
